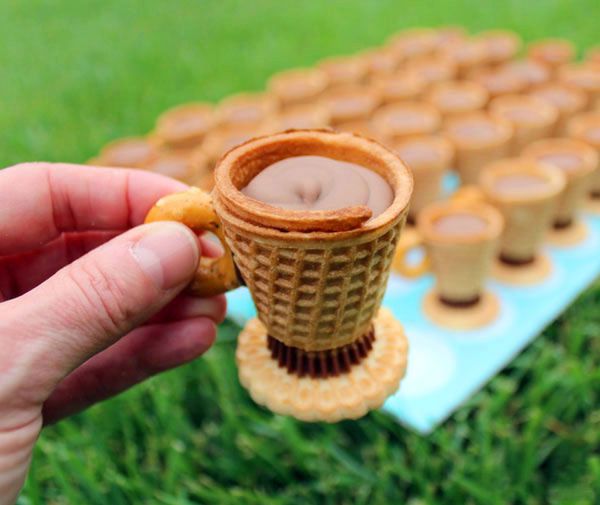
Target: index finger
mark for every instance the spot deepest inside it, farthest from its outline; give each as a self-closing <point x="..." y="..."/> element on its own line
<point x="40" y="201"/>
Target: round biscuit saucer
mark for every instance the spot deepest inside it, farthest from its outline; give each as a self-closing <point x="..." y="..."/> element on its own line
<point x="523" y="275"/>
<point x="592" y="205"/>
<point x="568" y="237"/>
<point x="461" y="318"/>
<point x="347" y="396"/>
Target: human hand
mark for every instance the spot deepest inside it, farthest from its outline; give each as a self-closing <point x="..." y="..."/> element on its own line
<point x="89" y="305"/>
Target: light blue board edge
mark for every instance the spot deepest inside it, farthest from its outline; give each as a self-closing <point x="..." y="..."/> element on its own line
<point x="445" y="368"/>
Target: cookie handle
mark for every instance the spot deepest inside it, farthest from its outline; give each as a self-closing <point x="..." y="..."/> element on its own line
<point x="194" y="209"/>
<point x="410" y="240"/>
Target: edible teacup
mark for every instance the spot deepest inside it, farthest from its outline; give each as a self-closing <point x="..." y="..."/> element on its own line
<point x="552" y="52"/>
<point x="298" y="265"/>
<point x="578" y="162"/>
<point x="586" y="127"/>
<point x="526" y="192"/>
<point x="568" y="100"/>
<point x="478" y="139"/>
<point x="460" y="240"/>
<point x="185" y="126"/>
<point x="455" y="98"/>
<point x="403" y="119"/>
<point x="429" y="157"/>
<point x="298" y="86"/>
<point x="532" y="118"/>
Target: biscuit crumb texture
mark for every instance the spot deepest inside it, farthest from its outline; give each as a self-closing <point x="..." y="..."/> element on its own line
<point x="348" y="396"/>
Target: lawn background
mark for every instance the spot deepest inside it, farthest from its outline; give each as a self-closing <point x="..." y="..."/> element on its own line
<point x="76" y="74"/>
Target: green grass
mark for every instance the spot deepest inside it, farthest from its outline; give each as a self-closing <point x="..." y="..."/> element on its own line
<point x="77" y="74"/>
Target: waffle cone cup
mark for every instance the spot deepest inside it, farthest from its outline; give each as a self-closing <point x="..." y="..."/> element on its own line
<point x="568" y="100"/>
<point x="317" y="277"/>
<point x="473" y="152"/>
<point x="460" y="264"/>
<point x="578" y="179"/>
<point x="527" y="215"/>
<point x="586" y="127"/>
<point x="532" y="118"/>
<point x="429" y="171"/>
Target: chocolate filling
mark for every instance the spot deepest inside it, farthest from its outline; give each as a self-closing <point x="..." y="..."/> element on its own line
<point x="561" y="225"/>
<point x="460" y="304"/>
<point x="321" y="364"/>
<point x="516" y="262"/>
<point x="595" y="194"/>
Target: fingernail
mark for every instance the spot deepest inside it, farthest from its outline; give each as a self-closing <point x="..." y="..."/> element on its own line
<point x="167" y="253"/>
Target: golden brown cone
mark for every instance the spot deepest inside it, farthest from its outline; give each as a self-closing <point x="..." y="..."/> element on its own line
<point x="184" y="126"/>
<point x="527" y="217"/>
<point x="313" y="290"/>
<point x="552" y="52"/>
<point x="578" y="179"/>
<point x="460" y="265"/>
<point x="472" y="153"/>
<point x="532" y="118"/>
<point x="586" y="127"/>
<point x="298" y="86"/>
<point x="429" y="157"/>
<point x="568" y="100"/>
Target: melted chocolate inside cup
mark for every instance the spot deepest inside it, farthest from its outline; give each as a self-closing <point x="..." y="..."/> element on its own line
<point x="460" y="224"/>
<point x="319" y="183"/>
<point x="520" y="185"/>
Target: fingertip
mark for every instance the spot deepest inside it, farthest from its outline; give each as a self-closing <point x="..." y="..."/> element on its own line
<point x="220" y="309"/>
<point x="168" y="253"/>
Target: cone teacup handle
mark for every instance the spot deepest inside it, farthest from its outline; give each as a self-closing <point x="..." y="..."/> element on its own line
<point x="409" y="240"/>
<point x="194" y="209"/>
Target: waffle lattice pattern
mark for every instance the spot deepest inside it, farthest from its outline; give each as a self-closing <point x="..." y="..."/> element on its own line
<point x="318" y="295"/>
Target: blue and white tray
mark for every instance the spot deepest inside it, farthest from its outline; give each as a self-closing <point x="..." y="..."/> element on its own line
<point x="446" y="367"/>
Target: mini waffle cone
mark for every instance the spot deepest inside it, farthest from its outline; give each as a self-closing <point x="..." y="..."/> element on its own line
<point x="302" y="116"/>
<point x="540" y="125"/>
<point x="578" y="180"/>
<point x="367" y="99"/>
<point x="583" y="76"/>
<point x="427" y="120"/>
<point x="552" y="52"/>
<point x="478" y="98"/>
<point x="344" y="70"/>
<point x="526" y="217"/>
<point x="460" y="264"/>
<point x="317" y="287"/>
<point x="413" y="43"/>
<point x="567" y="108"/>
<point x="581" y="128"/>
<point x="227" y="111"/>
<point x="533" y="72"/>
<point x="380" y="61"/>
<point x="468" y="55"/>
<point x="432" y="69"/>
<point x="178" y="164"/>
<point x="348" y="396"/>
<point x="298" y="86"/>
<point x="499" y="82"/>
<point x="398" y="87"/>
<point x="168" y="130"/>
<point x="472" y="154"/>
<point x="427" y="174"/>
<point x="500" y="45"/>
<point x="111" y="154"/>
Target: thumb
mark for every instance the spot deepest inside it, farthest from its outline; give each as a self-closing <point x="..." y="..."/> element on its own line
<point x="91" y="303"/>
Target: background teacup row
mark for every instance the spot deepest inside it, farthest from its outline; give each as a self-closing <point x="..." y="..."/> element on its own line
<point x="440" y="97"/>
